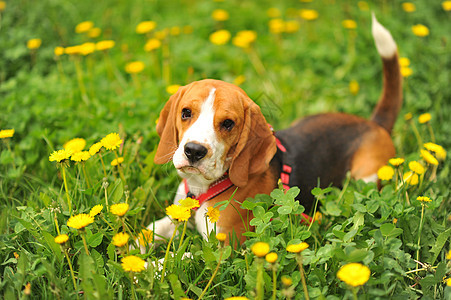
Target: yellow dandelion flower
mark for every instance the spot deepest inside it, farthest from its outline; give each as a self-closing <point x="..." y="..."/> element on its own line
<point x="175" y="31"/>
<point x="188" y="29"/>
<point x="276" y="25"/>
<point x="292" y="26"/>
<point x="244" y="38"/>
<point x="354" y="87"/>
<point x="420" y="30"/>
<point x="58" y="51"/>
<point x="308" y="14"/>
<point x="318" y="217"/>
<point x="6" y="133"/>
<point x="396" y="162"/>
<point x="448" y="255"/>
<point x="297" y="248"/>
<point x="428" y="157"/>
<point x="416" y="167"/>
<point x="96" y="210"/>
<point x="404" y="62"/>
<point x="349" y="24"/>
<point x="385" y="173"/>
<point x="354" y="274"/>
<point x="408" y="116"/>
<point x="162" y="34"/>
<point x="2" y="6"/>
<point x="61" y="239"/>
<point x="27" y="289"/>
<point x="95" y="148"/>
<point x="406" y="72"/>
<point x="260" y="249"/>
<point x="34" y="44"/>
<point x="236" y="297"/>
<point x="120" y="239"/>
<point x="221" y="237"/>
<point x="152" y="44"/>
<point x="133" y="263"/>
<point x="287" y="281"/>
<point x="213" y="214"/>
<point x="424" y="199"/>
<point x="239" y="80"/>
<point x="446" y="5"/>
<point x="75" y="145"/>
<point x="111" y="141"/>
<point x="80" y="156"/>
<point x="424" y="118"/>
<point x="189" y="203"/>
<point x="271" y="257"/>
<point x="145" y="237"/>
<point x="134" y="67"/>
<point x="439" y="151"/>
<point x="363" y="6"/>
<point x="105" y="45"/>
<point x="448" y="281"/>
<point x="94" y="32"/>
<point x="220" y="37"/>
<point x="117" y="161"/>
<point x="409" y="7"/>
<point x="84" y="26"/>
<point x="273" y="12"/>
<point x="220" y="15"/>
<point x="145" y="27"/>
<point x="395" y="220"/>
<point x="410" y="178"/>
<point x="59" y="155"/>
<point x="172" y="89"/>
<point x="119" y="209"/>
<point x="178" y="213"/>
<point x="72" y="50"/>
<point x="80" y="221"/>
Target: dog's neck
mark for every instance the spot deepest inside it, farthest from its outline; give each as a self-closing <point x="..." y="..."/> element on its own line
<point x="197" y="184"/>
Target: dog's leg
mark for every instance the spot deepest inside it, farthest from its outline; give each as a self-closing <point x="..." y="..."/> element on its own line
<point x="164" y="228"/>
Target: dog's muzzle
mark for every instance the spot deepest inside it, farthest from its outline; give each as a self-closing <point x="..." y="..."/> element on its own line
<point x="194" y="152"/>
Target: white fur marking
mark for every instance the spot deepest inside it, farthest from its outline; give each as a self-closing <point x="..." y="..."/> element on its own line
<point x="202" y="131"/>
<point x="370" y="178"/>
<point x="385" y="44"/>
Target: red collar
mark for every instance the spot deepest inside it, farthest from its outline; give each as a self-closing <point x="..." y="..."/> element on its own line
<point x="216" y="188"/>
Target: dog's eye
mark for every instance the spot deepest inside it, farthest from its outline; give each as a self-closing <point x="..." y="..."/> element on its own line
<point x="228" y="124"/>
<point x="186" y="113"/>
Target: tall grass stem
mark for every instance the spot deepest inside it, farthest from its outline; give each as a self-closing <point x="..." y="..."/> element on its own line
<point x="166" y="256"/>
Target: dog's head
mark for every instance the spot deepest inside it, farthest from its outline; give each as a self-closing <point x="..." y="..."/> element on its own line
<point x="209" y="127"/>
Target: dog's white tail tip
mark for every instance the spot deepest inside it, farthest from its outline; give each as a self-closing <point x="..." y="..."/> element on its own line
<point x="385" y="43"/>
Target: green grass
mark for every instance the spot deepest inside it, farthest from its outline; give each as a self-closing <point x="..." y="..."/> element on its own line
<point x="47" y="103"/>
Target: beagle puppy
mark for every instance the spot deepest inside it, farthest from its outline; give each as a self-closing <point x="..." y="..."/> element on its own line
<point x="221" y="145"/>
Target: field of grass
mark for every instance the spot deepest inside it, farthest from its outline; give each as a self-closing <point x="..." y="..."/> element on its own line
<point x="304" y="60"/>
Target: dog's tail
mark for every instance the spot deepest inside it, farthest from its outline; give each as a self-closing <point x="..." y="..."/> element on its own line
<point x="390" y="101"/>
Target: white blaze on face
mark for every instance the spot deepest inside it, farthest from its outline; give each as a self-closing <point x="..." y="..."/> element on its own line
<point x="202" y="132"/>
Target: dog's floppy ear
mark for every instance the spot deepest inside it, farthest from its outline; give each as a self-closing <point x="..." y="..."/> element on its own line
<point x="255" y="148"/>
<point x="167" y="129"/>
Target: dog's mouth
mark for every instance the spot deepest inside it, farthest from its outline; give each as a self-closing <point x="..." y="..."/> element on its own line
<point x="190" y="170"/>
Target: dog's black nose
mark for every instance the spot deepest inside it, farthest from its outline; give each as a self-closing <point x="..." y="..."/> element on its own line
<point x="195" y="152"/>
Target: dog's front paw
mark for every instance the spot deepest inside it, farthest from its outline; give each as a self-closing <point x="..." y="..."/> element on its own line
<point x="157" y="231"/>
